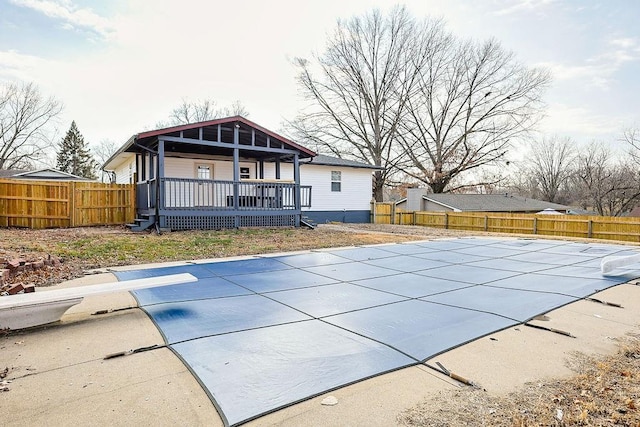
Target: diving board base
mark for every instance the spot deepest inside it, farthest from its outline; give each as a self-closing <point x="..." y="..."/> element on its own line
<point x="27" y="316"/>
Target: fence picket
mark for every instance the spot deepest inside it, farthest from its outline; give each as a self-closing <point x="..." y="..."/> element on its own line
<point x="57" y="204"/>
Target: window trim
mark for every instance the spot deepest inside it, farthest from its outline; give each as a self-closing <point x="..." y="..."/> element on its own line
<point x="209" y="166"/>
<point x="338" y="182"/>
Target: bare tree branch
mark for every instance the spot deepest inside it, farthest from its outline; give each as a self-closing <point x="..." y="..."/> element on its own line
<point x="608" y="188"/>
<point x="360" y="85"/>
<point x="473" y="100"/>
<point x="632" y="137"/>
<point x="549" y="167"/>
<point x="200" y="111"/>
<point x="24" y="118"/>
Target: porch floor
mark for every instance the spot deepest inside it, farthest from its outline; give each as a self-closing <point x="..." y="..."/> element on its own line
<point x="264" y="333"/>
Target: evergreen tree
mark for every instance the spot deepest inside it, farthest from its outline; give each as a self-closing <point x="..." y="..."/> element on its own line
<point x="74" y="156"/>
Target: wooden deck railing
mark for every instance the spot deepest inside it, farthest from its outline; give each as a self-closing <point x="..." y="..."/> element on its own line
<point x="207" y="195"/>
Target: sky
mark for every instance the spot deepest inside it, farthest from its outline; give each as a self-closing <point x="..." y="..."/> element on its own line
<point x="121" y="66"/>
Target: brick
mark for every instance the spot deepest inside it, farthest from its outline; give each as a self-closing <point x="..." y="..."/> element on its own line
<point x="22" y="261"/>
<point x="14" y="289"/>
<point x="38" y="264"/>
<point x="29" y="288"/>
<point x="13" y="264"/>
<point x="28" y="266"/>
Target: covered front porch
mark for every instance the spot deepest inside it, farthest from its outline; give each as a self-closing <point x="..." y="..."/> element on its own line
<point x="224" y="173"/>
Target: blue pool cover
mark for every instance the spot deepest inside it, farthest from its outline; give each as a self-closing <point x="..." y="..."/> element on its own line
<point x="267" y="332"/>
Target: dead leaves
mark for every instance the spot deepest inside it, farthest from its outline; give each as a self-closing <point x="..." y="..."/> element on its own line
<point x="604" y="392"/>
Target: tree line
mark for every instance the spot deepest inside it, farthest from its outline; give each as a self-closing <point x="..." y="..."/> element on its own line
<point x="592" y="177"/>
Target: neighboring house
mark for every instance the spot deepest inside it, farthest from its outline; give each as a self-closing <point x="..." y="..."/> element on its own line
<point x="8" y="173"/>
<point x="48" y="174"/>
<point x="419" y="200"/>
<point x="231" y="172"/>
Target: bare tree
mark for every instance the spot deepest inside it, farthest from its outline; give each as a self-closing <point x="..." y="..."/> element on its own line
<point x="102" y="152"/>
<point x="607" y="187"/>
<point x="358" y="88"/>
<point x="632" y="137"/>
<point x="24" y="119"/>
<point x="473" y="100"/>
<point x="549" y="166"/>
<point x="200" y="111"/>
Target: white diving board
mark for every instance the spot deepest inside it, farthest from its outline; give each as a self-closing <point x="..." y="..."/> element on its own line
<point x="42" y="307"/>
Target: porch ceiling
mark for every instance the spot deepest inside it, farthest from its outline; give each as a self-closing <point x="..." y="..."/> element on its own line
<point x="176" y="147"/>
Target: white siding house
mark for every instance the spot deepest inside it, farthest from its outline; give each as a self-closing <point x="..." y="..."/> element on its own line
<point x="340" y="189"/>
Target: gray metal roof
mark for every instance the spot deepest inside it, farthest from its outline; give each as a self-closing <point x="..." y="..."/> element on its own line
<point x="49" y="174"/>
<point x="325" y="160"/>
<point x="492" y="203"/>
<point x="6" y="173"/>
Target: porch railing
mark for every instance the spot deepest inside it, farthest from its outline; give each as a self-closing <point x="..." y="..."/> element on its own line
<point x="146" y="195"/>
<point x="204" y="194"/>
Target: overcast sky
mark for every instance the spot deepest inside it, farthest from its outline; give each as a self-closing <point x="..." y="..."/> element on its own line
<point x="120" y="66"/>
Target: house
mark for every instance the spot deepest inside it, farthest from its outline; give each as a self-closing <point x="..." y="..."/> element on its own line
<point x="47" y="174"/>
<point x="231" y="172"/>
<point x="419" y="200"/>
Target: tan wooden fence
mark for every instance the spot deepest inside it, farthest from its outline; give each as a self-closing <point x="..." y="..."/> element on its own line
<point x="596" y="227"/>
<point x="55" y="204"/>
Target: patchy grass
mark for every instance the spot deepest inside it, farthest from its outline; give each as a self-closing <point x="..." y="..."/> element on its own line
<point x="98" y="247"/>
<point x="604" y="391"/>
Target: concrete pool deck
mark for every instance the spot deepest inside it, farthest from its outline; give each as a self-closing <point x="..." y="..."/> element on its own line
<point x="59" y="376"/>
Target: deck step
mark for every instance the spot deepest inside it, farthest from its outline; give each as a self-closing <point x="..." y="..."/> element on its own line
<point x="143" y="223"/>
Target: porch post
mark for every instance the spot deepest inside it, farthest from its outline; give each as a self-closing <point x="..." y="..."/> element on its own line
<point x="261" y="166"/>
<point x="160" y="187"/>
<point x="296" y="194"/>
<point x="143" y="165"/>
<point x="152" y="166"/>
<point x="236" y="171"/>
<point x="277" y="166"/>
<point x="138" y="168"/>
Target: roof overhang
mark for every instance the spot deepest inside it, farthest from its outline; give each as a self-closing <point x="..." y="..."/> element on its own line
<point x="144" y="138"/>
<point x="441" y="204"/>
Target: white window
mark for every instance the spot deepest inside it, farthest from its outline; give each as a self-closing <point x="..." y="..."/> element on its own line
<point x="245" y="173"/>
<point x="336" y="181"/>
<point x="204" y="171"/>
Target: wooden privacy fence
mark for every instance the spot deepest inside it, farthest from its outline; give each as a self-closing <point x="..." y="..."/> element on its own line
<point x="55" y="204"/>
<point x="596" y="227"/>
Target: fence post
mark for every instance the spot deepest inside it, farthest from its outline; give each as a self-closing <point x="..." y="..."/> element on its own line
<point x="486" y="223"/>
<point x="535" y="225"/>
<point x="446" y="220"/>
<point x="72" y="203"/>
<point x="589" y="229"/>
<point x="373" y="212"/>
<point x="393" y="213"/>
